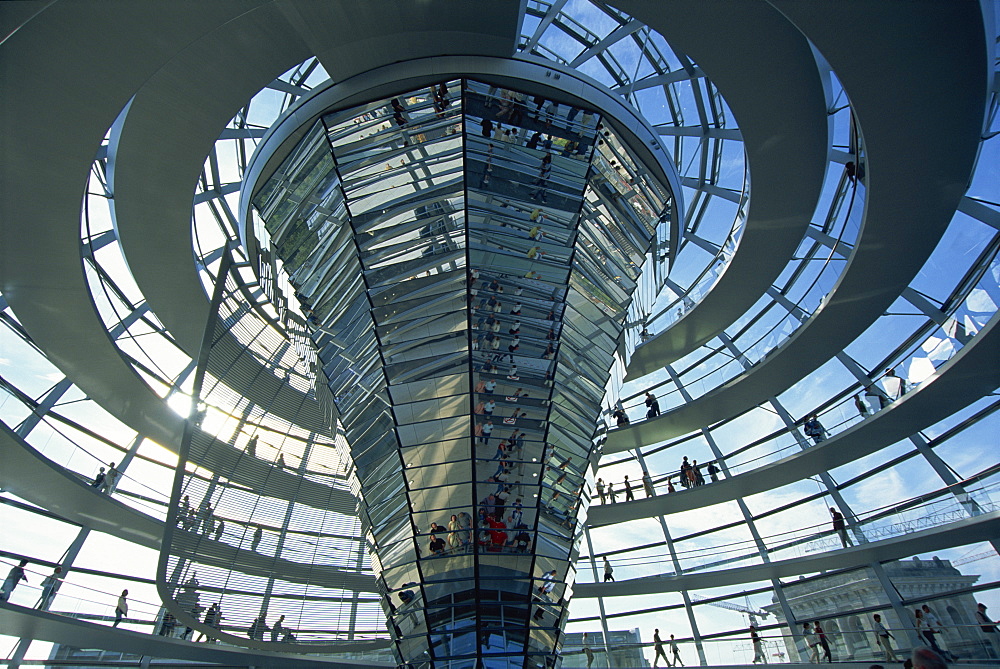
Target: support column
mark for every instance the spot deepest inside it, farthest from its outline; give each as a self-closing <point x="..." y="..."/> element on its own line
<point x="600" y="599"/>
<point x="45" y="405"/>
<point x="66" y="562"/>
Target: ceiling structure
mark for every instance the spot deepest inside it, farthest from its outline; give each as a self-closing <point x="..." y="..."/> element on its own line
<point x="832" y="253"/>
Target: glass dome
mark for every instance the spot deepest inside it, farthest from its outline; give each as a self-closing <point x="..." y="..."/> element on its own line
<point x="795" y="428"/>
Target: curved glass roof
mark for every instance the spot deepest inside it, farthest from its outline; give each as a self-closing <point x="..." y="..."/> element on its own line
<point x="905" y="406"/>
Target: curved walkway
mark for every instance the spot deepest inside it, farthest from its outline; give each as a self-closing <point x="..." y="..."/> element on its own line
<point x="971" y="374"/>
<point x="47" y="71"/>
<point x="263" y="476"/>
<point x="959" y="533"/>
<point x="886" y="258"/>
<point x="156" y="155"/>
<point x="786" y="142"/>
<point x="175" y="119"/>
<point x="55" y="307"/>
<point x="33" y="477"/>
<point x="19" y="621"/>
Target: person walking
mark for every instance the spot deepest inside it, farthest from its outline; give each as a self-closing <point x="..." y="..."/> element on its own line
<point x="454" y="533"/>
<point x="882" y="637"/>
<point x="895" y="386"/>
<point x="647" y="484"/>
<point x="191" y="522"/>
<point x="168" y="624"/>
<point x="207" y="519"/>
<point x="823" y="642"/>
<point x="685" y="477"/>
<point x="600" y="491"/>
<point x="653" y="405"/>
<point x="987" y="626"/>
<point x="675" y="652"/>
<point x="758" y="647"/>
<point x="212" y="619"/>
<point x="276" y="630"/>
<point x="813" y="428"/>
<point x="257" y="536"/>
<point x="110" y="479"/>
<point x="839" y="526"/>
<point x="254" y="631"/>
<point x="183" y="508"/>
<point x="545" y="589"/>
<point x="699" y="480"/>
<point x="921" y="625"/>
<point x="49" y="587"/>
<point x="621" y="420"/>
<point x="99" y="479"/>
<point x="207" y="619"/>
<point x="14" y="576"/>
<point x="612" y="495"/>
<point x="608" y="571"/>
<point x="875" y="398"/>
<point x="629" y="497"/>
<point x="121" y="609"/>
<point x="811" y="643"/>
<point x="587" y="651"/>
<point x="932" y="627"/>
<point x="220" y="527"/>
<point x="658" y="645"/>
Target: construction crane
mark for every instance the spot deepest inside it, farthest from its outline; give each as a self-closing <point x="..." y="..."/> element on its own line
<point x="751" y="613"/>
<point x="972" y="558"/>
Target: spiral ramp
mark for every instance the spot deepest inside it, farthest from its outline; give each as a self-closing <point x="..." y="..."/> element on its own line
<point x="793" y="287"/>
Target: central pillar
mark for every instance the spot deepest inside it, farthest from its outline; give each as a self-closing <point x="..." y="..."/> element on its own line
<point x="466" y="254"/>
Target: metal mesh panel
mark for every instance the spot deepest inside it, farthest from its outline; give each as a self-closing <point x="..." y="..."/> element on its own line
<point x="262" y="543"/>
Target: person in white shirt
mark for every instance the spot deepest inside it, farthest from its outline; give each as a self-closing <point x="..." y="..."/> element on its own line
<point x="587" y="651"/>
<point x="931" y="628"/>
<point x="811" y="642"/>
<point x="882" y="636"/>
<point x="110" y="479"/>
<point x="49" y="586"/>
<point x="121" y="610"/>
<point x="675" y="652"/>
<point x="550" y="582"/>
